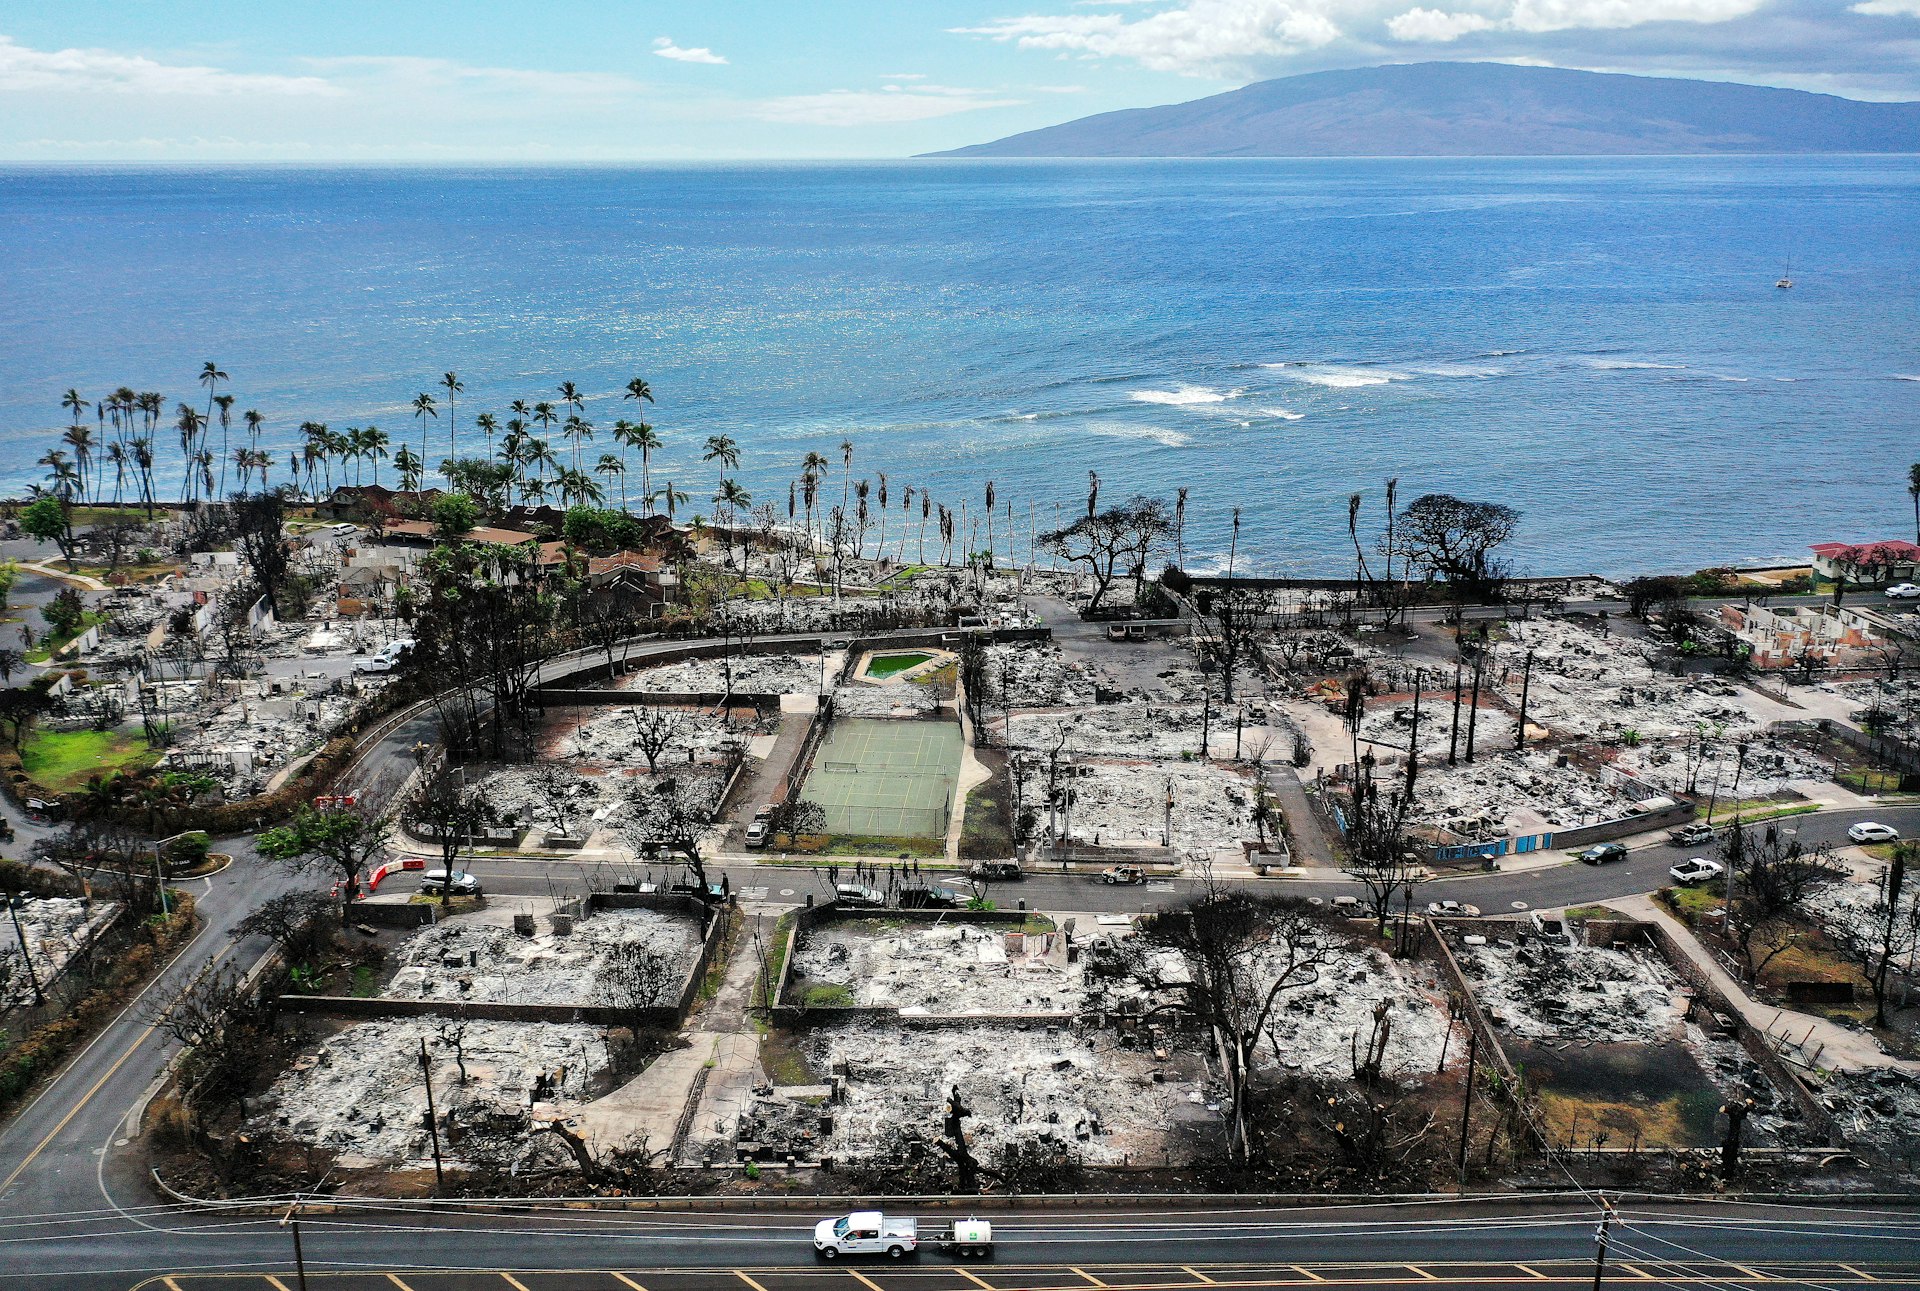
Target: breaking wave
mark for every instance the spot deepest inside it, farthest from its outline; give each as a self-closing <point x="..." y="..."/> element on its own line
<point x="1633" y="365"/>
<point x="1182" y="397"/>
<point x="1336" y="377"/>
<point x="1282" y="414"/>
<point x="1122" y="430"/>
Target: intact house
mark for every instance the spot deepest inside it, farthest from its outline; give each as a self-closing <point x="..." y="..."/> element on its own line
<point x="1892" y="560"/>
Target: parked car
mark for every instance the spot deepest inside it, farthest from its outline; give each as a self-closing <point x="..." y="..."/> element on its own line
<point x="758" y="830"/>
<point x="684" y="888"/>
<point x="858" y="894"/>
<point x="1693" y="835"/>
<point x="1904" y="592"/>
<point x="1602" y="853"/>
<point x="1453" y="910"/>
<point x="866" y="1232"/>
<point x="1697" y="870"/>
<point x="436" y="882"/>
<point x="996" y="871"/>
<point x="929" y="898"/>
<point x="1871" y="831"/>
<point x="1127" y="874"/>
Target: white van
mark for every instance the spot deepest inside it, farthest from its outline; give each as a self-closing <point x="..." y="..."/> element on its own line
<point x="386" y="659"/>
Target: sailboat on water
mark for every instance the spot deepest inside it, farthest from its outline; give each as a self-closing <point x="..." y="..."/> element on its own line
<point x="1786" y="279"/>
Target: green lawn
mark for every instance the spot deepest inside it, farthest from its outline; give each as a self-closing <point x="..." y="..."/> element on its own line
<point x="51" y="644"/>
<point x="62" y="760"/>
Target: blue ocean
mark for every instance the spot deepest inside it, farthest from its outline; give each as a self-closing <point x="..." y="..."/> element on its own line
<point x="1598" y="342"/>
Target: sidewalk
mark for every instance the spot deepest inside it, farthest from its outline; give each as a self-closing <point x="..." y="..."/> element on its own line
<point x="1838" y="1047"/>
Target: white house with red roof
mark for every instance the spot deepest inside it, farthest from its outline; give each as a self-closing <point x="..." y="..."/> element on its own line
<point x="1892" y="560"/>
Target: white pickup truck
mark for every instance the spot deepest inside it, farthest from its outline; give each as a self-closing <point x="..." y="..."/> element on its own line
<point x="869" y="1232"/>
<point x="866" y="1232"/>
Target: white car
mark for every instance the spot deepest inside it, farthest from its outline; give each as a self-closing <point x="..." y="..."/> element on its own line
<point x="1697" y="870"/>
<point x="463" y="885"/>
<point x="1452" y="910"/>
<point x="1869" y="831"/>
<point x="1904" y="592"/>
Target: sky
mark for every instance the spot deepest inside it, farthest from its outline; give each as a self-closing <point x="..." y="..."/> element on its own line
<point x="694" y="80"/>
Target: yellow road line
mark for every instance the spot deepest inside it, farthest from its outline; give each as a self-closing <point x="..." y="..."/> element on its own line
<point x="1415" y="1268"/>
<point x="1088" y="1276"/>
<point x="974" y="1278"/>
<point x="1648" y="1277"/>
<point x="168" y="1283"/>
<point x="1309" y="1274"/>
<point x="1197" y="1273"/>
<point x="395" y="1279"/>
<point x="749" y="1281"/>
<point x="1859" y="1273"/>
<point x="626" y="1281"/>
<point x="278" y="1285"/>
<point x="1755" y="1274"/>
<point x="513" y="1281"/>
<point x="864" y="1280"/>
<point x="1535" y="1272"/>
<point x="119" y="1062"/>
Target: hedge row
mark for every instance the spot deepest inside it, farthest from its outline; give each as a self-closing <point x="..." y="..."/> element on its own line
<point x="45" y="1048"/>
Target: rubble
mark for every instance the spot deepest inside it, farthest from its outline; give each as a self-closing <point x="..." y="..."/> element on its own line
<point x="1125" y="803"/>
<point x="704" y="735"/>
<point x="1587" y="686"/>
<point x="1548" y="989"/>
<point x="949" y="968"/>
<point x="360" y="1092"/>
<point x="477" y="957"/>
<point x="1030" y="674"/>
<point x="1107" y="1096"/>
<point x="1515" y="793"/>
<point x="1318" y="1029"/>
<point x="753" y="674"/>
<point x="56" y="930"/>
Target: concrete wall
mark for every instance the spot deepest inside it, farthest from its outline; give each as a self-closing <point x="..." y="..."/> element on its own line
<point x="1605" y="831"/>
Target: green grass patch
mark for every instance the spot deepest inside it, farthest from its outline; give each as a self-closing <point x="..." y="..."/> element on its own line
<point x="986" y="834"/>
<point x="783" y="1061"/>
<point x="63" y="760"/>
<point x="1867" y="781"/>
<point x="1748" y="813"/>
<point x="366" y="982"/>
<point x="827" y="995"/>
<point x="1694" y="903"/>
<point x="52" y="645"/>
<point x="776" y="960"/>
<point x="1593" y="912"/>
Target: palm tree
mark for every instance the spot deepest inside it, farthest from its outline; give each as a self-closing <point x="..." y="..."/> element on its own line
<point x="639" y="391"/>
<point x="989" y="524"/>
<point x="117" y="454"/>
<point x="451" y="384"/>
<point x="576" y="430"/>
<point x="262" y="462"/>
<point x="611" y="465"/>
<point x="577" y="488"/>
<point x="1913" y="491"/>
<point x="846" y="471"/>
<point x="540" y="456"/>
<point x="79" y="437"/>
<point x="60" y="473"/>
<point x="487" y="425"/>
<point x="408" y="467"/>
<point x="225" y="404"/>
<point x="926" y="510"/>
<point x="313" y="453"/>
<point x="243" y="466"/>
<point x="544" y="416"/>
<point x="210" y="376"/>
<point x="672" y="497"/>
<point x="188" y="422"/>
<point x="880" y="546"/>
<point x="630" y="434"/>
<point x="733" y="498"/>
<point x="812" y="470"/>
<point x="373" y="447"/>
<point x="422" y="409"/>
<point x="142" y="448"/>
<point x="356" y="449"/>
<point x="722" y="449"/>
<point x="74" y="404"/>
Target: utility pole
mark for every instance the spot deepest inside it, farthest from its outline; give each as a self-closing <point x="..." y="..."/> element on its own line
<point x="1600" y="1243"/>
<point x="1466" y="1102"/>
<point x="1526" y="686"/>
<point x="1413" y="741"/>
<point x="1453" y="741"/>
<point x="292" y="1220"/>
<point x="433" y="1122"/>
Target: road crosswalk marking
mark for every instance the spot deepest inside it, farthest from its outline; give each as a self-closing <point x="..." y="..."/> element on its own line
<point x="749" y="1281"/>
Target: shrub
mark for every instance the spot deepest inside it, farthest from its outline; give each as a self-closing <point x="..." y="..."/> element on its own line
<point x="189" y="850"/>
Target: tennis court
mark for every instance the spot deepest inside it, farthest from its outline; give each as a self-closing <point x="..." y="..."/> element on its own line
<point x="892" y="779"/>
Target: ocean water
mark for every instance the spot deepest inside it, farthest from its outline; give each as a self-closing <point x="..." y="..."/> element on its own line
<point x="1597" y="342"/>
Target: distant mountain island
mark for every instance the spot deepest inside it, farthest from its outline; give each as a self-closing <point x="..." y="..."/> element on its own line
<point x="1477" y="110"/>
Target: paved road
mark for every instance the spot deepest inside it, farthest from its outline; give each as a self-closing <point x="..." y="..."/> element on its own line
<point x="730" y="1246"/>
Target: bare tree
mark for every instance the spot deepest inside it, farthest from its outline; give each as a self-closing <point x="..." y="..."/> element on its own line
<point x="450" y="812"/>
<point x="555" y="785"/>
<point x="1113" y="542"/>
<point x="635" y="978"/>
<point x="301" y="926"/>
<point x="1885" y="934"/>
<point x="1242" y="953"/>
<point x="1772" y="876"/>
<point x="1379" y="857"/>
<point x="655" y="730"/>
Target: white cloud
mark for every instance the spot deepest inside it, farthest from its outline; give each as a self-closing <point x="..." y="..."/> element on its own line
<point x="1890" y="8"/>
<point x="103" y="71"/>
<point x="1435" y="25"/>
<point x="663" y="47"/>
<point x="1563" y="15"/>
<point x="892" y="106"/>
<point x="1195" y="38"/>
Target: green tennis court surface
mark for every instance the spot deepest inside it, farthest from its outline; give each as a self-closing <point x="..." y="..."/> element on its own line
<point x="892" y="779"/>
